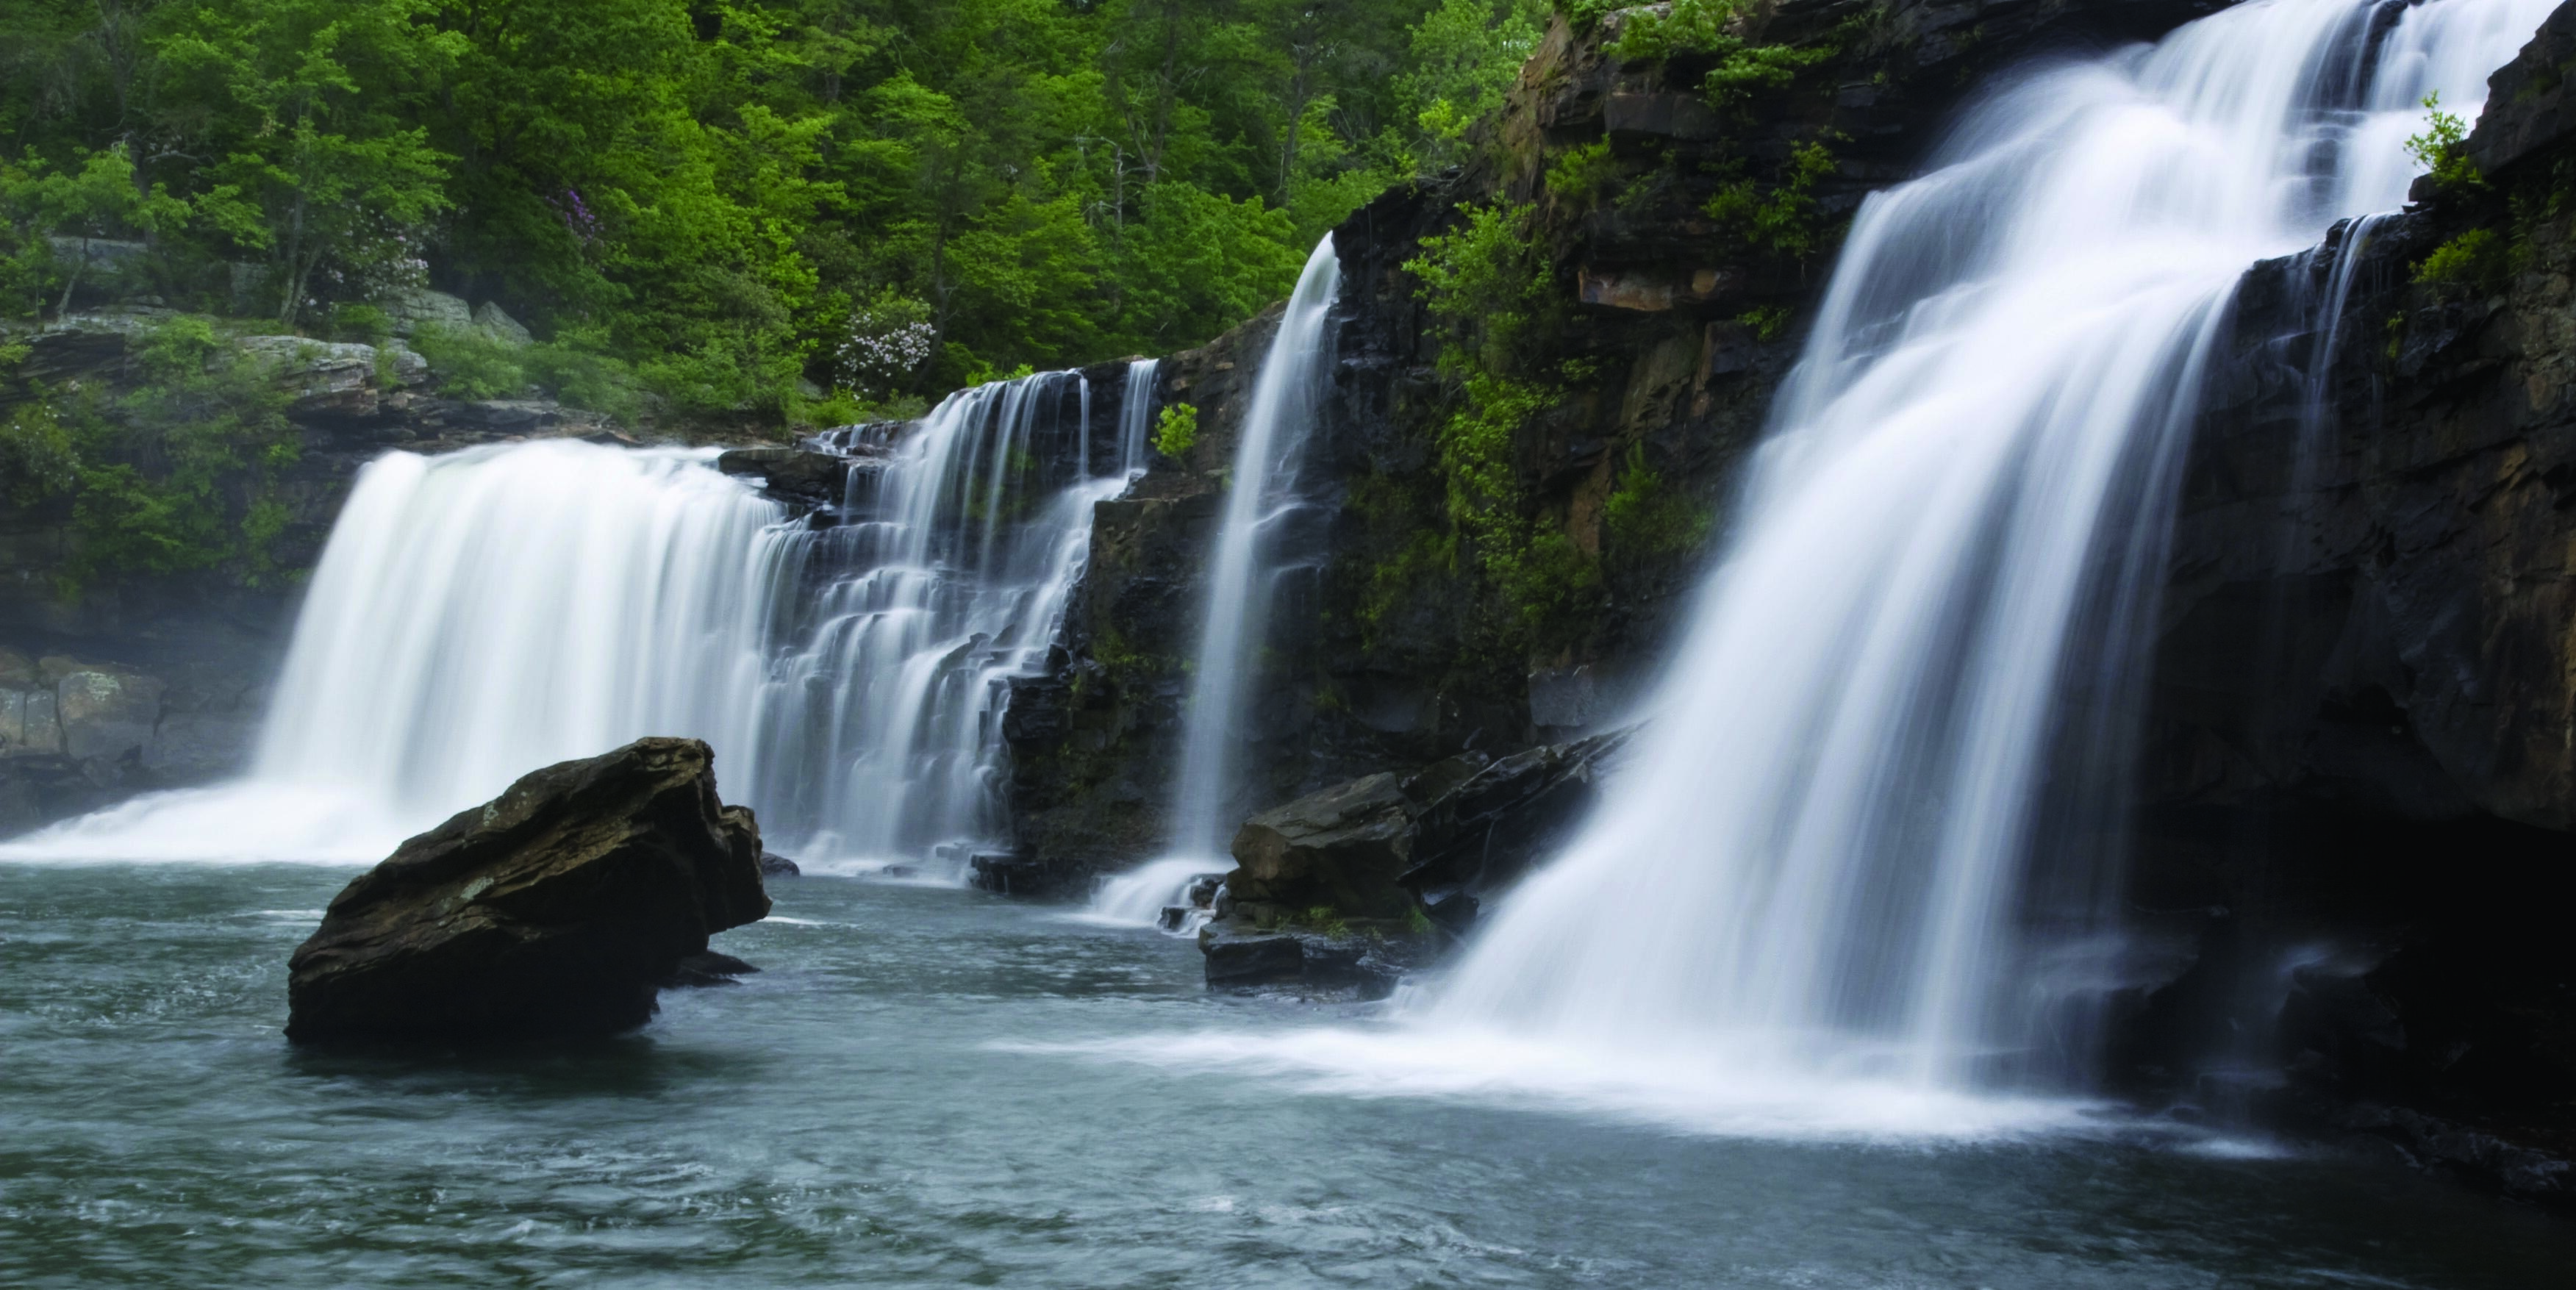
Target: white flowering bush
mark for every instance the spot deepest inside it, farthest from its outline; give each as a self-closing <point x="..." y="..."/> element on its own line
<point x="886" y="340"/>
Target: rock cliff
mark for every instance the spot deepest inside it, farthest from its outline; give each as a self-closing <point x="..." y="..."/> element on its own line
<point x="1658" y="332"/>
<point x="2359" y="769"/>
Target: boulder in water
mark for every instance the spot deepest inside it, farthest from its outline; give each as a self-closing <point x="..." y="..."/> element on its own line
<point x="774" y="865"/>
<point x="558" y="908"/>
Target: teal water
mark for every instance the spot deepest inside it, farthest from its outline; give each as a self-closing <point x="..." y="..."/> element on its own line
<point x="867" y="1112"/>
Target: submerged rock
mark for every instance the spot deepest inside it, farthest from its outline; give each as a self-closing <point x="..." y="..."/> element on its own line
<point x="557" y="908"/>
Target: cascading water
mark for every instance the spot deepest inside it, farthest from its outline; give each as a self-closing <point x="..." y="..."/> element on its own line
<point x="1286" y="397"/>
<point x="1836" y="889"/>
<point x="481" y="614"/>
<point x="1958" y="515"/>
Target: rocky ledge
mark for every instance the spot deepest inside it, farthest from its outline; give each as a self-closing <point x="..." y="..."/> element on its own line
<point x="1348" y="888"/>
<point x="559" y="908"/>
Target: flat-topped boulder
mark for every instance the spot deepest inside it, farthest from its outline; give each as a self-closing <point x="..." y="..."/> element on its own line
<point x="558" y="908"/>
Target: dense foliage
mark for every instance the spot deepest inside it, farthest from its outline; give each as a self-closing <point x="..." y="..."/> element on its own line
<point x="720" y="199"/>
<point x="177" y="473"/>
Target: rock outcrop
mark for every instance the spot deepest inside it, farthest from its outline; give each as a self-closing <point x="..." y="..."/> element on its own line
<point x="2358" y="770"/>
<point x="1341" y="849"/>
<point x="556" y="909"/>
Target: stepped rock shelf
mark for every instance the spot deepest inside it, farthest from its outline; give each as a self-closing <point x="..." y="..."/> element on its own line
<point x="559" y="908"/>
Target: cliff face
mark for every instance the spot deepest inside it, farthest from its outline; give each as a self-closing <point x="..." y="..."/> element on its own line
<point x="2360" y="755"/>
<point x="1659" y="332"/>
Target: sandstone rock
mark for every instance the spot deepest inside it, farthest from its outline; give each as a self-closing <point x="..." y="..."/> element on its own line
<point x="403" y="365"/>
<point x="99" y="253"/>
<point x="490" y="320"/>
<point x="27" y="724"/>
<point x="412" y="309"/>
<point x="1343" y="847"/>
<point x="327" y="378"/>
<point x="555" y="909"/>
<point x="86" y="344"/>
<point x="104" y="711"/>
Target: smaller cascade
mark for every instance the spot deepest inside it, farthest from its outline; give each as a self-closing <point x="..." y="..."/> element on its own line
<point x="1286" y="398"/>
<point x="880" y="734"/>
<point x="1136" y="415"/>
<point x="1175" y="894"/>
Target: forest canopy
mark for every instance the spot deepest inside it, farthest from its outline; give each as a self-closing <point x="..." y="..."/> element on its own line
<point x="879" y="198"/>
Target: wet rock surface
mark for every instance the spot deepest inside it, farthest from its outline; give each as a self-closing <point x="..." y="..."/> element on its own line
<point x="796" y="474"/>
<point x="2357" y="772"/>
<point x="559" y="908"/>
<point x="1342" y="848"/>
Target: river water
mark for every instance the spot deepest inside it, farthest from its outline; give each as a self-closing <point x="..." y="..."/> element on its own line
<point x="904" y="1098"/>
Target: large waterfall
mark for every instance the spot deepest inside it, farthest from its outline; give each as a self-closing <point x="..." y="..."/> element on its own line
<point x="1845" y="884"/>
<point x="481" y="614"/>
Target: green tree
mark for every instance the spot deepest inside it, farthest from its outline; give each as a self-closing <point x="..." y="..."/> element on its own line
<point x="311" y="95"/>
<point x="96" y="198"/>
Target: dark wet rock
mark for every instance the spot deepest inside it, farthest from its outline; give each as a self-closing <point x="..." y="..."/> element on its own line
<point x="1021" y="876"/>
<point x="556" y="909"/>
<point x="774" y="865"/>
<point x="1342" y="849"/>
<point x="1358" y="960"/>
<point x="800" y="474"/>
<point x="1482" y="829"/>
<point x="2357" y="734"/>
<point x="1235" y="959"/>
<point x="706" y="969"/>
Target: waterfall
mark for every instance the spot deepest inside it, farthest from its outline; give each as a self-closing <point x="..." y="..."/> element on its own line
<point x="481" y="614"/>
<point x="1287" y="395"/>
<point x="1136" y="415"/>
<point x="1940" y="568"/>
<point x="1843" y="885"/>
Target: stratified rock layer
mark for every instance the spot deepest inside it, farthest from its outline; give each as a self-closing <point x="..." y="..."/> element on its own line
<point x="554" y="909"/>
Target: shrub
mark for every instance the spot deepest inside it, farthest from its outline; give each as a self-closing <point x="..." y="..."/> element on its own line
<point x="1176" y="430"/>
<point x="1783" y="220"/>
<point x="365" y="324"/>
<point x="1646" y="518"/>
<point x="2476" y="258"/>
<point x="1580" y="174"/>
<point x="469" y="364"/>
<point x="176" y="475"/>
<point x="2442" y="149"/>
